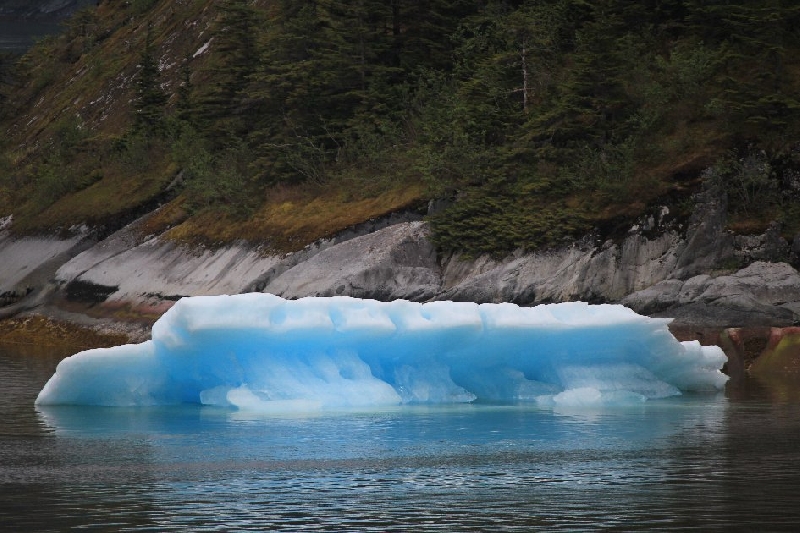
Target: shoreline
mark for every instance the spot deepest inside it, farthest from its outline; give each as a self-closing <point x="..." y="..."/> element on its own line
<point x="35" y="331"/>
<point x="772" y="352"/>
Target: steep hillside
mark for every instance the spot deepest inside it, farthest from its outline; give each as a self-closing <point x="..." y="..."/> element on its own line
<point x="283" y="122"/>
<point x="76" y="152"/>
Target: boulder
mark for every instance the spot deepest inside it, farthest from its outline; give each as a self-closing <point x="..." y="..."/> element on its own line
<point x="761" y="294"/>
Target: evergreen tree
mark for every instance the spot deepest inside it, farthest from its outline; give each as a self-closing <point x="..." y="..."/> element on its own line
<point x="594" y="97"/>
<point x="301" y="93"/>
<point x="753" y="38"/>
<point x="222" y="102"/>
<point x="184" y="107"/>
<point x="324" y="82"/>
<point x="150" y="97"/>
<point x="6" y="76"/>
<point x="421" y="31"/>
<point x="82" y="33"/>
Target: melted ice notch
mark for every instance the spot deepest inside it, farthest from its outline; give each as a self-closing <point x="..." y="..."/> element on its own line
<point x="259" y="351"/>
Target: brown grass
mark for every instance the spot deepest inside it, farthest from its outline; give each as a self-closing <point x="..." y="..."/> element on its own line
<point x="39" y="332"/>
<point x="293" y="217"/>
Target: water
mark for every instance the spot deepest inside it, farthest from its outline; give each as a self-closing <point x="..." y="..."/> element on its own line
<point x="22" y="25"/>
<point x="17" y="36"/>
<point x="698" y="463"/>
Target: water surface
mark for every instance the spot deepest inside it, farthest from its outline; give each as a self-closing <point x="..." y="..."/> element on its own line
<point x="719" y="462"/>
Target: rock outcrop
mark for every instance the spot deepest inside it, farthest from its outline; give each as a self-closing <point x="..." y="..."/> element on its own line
<point x="27" y="266"/>
<point x="158" y="271"/>
<point x="657" y="249"/>
<point x="763" y="294"/>
<point x="659" y="268"/>
<point x="584" y="271"/>
<point x="396" y="262"/>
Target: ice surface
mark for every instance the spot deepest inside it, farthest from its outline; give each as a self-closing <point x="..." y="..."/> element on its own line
<point x="261" y="352"/>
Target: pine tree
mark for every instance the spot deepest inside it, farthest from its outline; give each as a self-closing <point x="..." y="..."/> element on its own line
<point x="222" y="101"/>
<point x="150" y="97"/>
<point x="6" y="76"/>
<point x="318" y="86"/>
<point x="753" y="38"/>
<point x="184" y="107"/>
<point x="421" y="31"/>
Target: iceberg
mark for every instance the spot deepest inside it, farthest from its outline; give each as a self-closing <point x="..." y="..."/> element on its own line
<point x="261" y="352"/>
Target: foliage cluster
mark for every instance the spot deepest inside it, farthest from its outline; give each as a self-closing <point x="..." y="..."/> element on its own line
<point x="761" y="189"/>
<point x="538" y="118"/>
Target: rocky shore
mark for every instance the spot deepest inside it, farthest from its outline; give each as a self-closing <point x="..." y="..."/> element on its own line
<point x="697" y="272"/>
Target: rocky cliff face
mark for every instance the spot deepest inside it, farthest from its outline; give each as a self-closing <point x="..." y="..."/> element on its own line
<point x="658" y="268"/>
<point x="398" y="262"/>
<point x="762" y="294"/>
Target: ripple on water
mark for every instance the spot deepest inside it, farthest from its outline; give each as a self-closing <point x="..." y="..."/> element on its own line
<point x="701" y="464"/>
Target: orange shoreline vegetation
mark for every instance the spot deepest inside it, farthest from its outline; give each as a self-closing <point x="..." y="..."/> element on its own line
<point x="143" y="313"/>
<point x="31" y="333"/>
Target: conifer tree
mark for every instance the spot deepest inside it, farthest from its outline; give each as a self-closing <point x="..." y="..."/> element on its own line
<point x="6" y="67"/>
<point x="753" y="38"/>
<point x="150" y="97"/>
<point x="184" y="107"/>
<point x="221" y="104"/>
<point x="319" y="68"/>
<point x="421" y="30"/>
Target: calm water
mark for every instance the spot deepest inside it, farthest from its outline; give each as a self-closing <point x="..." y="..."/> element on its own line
<point x="726" y="462"/>
<point x="17" y="36"/>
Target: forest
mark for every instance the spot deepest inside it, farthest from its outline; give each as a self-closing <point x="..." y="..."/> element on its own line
<point x="528" y="123"/>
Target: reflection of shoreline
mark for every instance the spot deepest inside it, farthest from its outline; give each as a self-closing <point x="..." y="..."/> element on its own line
<point x="19" y="35"/>
<point x="23" y="24"/>
<point x="15" y="46"/>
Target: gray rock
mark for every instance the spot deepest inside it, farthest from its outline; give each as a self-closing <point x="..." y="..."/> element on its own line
<point x="770" y="246"/>
<point x="393" y="263"/>
<point x="28" y="267"/>
<point x="794" y="252"/>
<point x="761" y="294"/>
<point x="151" y="271"/>
<point x="707" y="243"/>
<point x="655" y="299"/>
<point x="767" y="283"/>
<point x="582" y="271"/>
<point x="659" y="268"/>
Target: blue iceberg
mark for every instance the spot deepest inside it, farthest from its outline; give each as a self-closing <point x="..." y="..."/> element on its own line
<point x="261" y="352"/>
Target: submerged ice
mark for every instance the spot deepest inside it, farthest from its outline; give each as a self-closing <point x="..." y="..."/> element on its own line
<point x="259" y="351"/>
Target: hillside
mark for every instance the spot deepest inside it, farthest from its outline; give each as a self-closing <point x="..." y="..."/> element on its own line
<point x="279" y="123"/>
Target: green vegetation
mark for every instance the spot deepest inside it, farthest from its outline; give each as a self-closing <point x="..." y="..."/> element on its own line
<point x="282" y="122"/>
